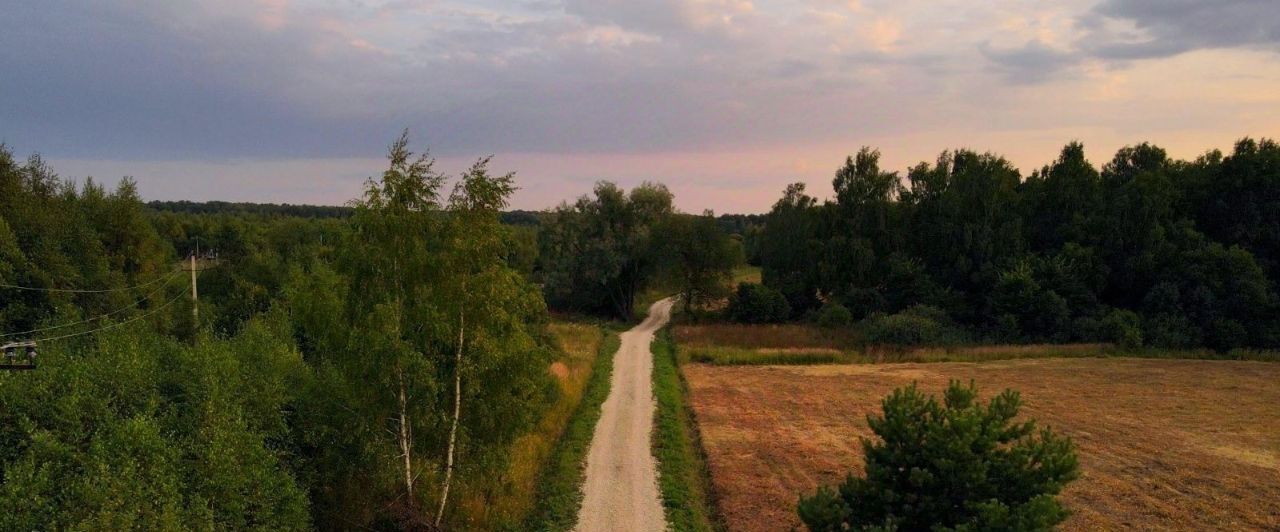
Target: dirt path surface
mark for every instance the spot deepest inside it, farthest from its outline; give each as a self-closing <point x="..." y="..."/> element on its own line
<point x="621" y="488"/>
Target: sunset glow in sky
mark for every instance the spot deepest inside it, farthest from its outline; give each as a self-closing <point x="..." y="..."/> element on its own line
<point x="725" y="101"/>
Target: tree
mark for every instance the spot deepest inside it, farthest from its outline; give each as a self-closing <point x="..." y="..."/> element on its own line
<point x="789" y="247"/>
<point x="701" y="259"/>
<point x="958" y="465"/>
<point x="599" y="253"/>
<point x="756" y="303"/>
<point x="497" y="366"/>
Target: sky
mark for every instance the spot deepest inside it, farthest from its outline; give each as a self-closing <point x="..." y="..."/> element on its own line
<point x="724" y="101"/>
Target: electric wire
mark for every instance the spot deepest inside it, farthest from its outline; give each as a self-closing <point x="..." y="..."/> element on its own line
<point x="96" y="318"/>
<point x="84" y="291"/>
<point x="113" y="325"/>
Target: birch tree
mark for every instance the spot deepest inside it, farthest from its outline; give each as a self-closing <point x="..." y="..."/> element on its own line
<point x="498" y="370"/>
<point x="392" y="262"/>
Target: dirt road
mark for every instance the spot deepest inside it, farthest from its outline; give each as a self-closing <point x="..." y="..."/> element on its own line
<point x="621" y="488"/>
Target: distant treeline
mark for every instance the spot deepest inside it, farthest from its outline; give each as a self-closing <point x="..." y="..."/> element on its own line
<point x="514" y="217"/>
<point x="1146" y="250"/>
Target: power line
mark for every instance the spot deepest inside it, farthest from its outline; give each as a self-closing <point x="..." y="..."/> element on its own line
<point x="81" y="291"/>
<point x="113" y="325"/>
<point x="96" y="318"/>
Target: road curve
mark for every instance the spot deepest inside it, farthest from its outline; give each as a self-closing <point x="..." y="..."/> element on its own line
<point x="621" y="487"/>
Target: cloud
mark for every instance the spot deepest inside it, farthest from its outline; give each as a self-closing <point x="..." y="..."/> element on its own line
<point x="1118" y="32"/>
<point x="1162" y="28"/>
<point x="614" y="86"/>
<point x="1033" y="62"/>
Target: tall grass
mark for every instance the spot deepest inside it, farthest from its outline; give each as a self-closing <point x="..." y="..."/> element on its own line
<point x="737" y="356"/>
<point x="782" y="336"/>
<point x="683" y="479"/>
<point x="557" y="492"/>
<point x="508" y="499"/>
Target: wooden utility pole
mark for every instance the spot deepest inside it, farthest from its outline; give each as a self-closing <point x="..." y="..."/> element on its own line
<point x="195" y="294"/>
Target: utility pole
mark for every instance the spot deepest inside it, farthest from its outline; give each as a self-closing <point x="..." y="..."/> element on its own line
<point x="195" y="295"/>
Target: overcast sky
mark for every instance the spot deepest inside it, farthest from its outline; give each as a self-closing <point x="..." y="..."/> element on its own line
<point x="725" y="101"/>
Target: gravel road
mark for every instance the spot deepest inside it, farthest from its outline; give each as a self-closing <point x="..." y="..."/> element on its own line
<point x="621" y="488"/>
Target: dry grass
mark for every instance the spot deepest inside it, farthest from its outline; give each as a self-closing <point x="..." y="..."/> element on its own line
<point x="515" y="490"/>
<point x="785" y="336"/>
<point x="1163" y="444"/>
<point x="746" y="274"/>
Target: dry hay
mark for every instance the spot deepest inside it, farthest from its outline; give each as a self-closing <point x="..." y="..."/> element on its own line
<point x="1163" y="444"/>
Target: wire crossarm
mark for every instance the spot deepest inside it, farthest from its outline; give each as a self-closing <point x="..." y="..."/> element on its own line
<point x="18" y="356"/>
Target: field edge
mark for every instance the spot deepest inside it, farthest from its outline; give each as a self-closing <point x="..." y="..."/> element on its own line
<point x="560" y="483"/>
<point x="684" y="480"/>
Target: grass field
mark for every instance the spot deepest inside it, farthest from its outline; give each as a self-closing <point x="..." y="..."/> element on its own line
<point x="1163" y="444"/>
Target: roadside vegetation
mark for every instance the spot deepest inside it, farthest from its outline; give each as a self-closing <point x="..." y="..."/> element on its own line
<point x="558" y="490"/>
<point x="511" y="497"/>
<point x="683" y="479"/>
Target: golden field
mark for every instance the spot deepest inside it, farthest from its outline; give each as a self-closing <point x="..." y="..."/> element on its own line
<point x="1163" y="444"/>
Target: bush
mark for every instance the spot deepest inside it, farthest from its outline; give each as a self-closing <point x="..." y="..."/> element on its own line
<point x="1123" y="328"/>
<point x="756" y="303"/>
<point x="833" y="315"/>
<point x="918" y="325"/>
<point x="959" y="465"/>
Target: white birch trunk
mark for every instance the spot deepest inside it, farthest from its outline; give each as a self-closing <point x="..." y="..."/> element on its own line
<point x="457" y="413"/>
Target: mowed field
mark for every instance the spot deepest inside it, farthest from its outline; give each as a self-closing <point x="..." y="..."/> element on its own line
<point x="1163" y="444"/>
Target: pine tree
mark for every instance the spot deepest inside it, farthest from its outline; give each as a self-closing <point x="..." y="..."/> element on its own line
<point x="959" y="465"/>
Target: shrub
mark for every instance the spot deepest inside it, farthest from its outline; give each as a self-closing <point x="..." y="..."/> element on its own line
<point x="918" y="325"/>
<point x="756" y="303"/>
<point x="1123" y="328"/>
<point x="833" y="315"/>
<point x="959" y="465"/>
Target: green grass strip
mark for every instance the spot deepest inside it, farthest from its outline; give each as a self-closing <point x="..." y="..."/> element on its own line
<point x="560" y="485"/>
<point x="682" y="472"/>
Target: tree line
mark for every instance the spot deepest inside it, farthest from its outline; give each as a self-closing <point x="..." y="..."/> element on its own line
<point x="1146" y="250"/>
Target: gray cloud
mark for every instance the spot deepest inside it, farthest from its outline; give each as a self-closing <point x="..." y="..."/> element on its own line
<point x="1120" y="31"/>
<point x="1170" y="27"/>
<point x="150" y="78"/>
<point x="1033" y="62"/>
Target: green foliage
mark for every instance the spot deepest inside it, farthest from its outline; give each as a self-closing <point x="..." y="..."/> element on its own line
<point x="916" y="326"/>
<point x="834" y="315"/>
<point x="757" y="303"/>
<point x="701" y="259"/>
<point x="136" y="431"/>
<point x="280" y="410"/>
<point x="599" y="253"/>
<point x="1123" y="328"/>
<point x="955" y="465"/>
<point x="788" y="248"/>
<point x="1189" y="247"/>
<point x="682" y="472"/>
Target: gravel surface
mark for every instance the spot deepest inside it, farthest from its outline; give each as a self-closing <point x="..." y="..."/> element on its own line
<point x="621" y="488"/>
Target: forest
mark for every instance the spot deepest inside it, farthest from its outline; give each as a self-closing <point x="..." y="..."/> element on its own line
<point x="370" y="366"/>
<point x="365" y="368"/>
<point x="1144" y="251"/>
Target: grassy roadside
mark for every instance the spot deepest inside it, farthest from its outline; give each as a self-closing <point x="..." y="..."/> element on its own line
<point x="682" y="472"/>
<point x="559" y="486"/>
